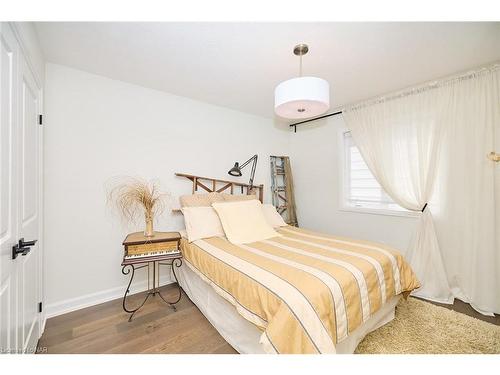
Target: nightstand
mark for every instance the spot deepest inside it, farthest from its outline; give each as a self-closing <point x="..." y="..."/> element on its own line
<point x="163" y="249"/>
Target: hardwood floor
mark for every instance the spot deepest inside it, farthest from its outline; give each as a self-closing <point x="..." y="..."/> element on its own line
<point x="156" y="328"/>
<point x="467" y="309"/>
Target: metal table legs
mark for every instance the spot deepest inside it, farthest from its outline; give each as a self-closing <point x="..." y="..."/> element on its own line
<point x="155" y="289"/>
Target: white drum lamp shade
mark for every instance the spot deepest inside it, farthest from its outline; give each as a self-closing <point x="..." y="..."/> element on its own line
<point x="302" y="97"/>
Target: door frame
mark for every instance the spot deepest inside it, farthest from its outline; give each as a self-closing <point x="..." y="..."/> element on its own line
<point x="24" y="53"/>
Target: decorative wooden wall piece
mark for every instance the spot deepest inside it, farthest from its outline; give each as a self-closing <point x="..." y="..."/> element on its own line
<point x="211" y="185"/>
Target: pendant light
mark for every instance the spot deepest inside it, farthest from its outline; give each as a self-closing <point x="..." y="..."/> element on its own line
<point x="301" y="97"/>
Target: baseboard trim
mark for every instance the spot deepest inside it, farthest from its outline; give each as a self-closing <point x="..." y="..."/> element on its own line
<point x="92" y="299"/>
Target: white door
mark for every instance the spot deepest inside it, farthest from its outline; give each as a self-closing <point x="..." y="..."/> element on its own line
<point x="28" y="199"/>
<point x="8" y="190"/>
<point x="20" y="277"/>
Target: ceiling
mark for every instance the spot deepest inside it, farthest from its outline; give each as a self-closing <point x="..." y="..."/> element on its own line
<point x="237" y="65"/>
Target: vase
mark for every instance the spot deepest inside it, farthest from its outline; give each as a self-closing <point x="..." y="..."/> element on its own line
<point x="149" y="232"/>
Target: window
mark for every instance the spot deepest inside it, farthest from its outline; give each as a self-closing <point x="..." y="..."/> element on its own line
<point x="362" y="192"/>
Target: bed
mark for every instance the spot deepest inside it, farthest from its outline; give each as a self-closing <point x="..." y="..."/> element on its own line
<point x="298" y="292"/>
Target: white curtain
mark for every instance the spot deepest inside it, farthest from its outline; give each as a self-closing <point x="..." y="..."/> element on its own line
<point x="399" y="139"/>
<point x="467" y="210"/>
<point x="439" y="135"/>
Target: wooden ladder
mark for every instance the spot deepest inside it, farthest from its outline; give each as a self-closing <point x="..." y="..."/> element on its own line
<point x="282" y="189"/>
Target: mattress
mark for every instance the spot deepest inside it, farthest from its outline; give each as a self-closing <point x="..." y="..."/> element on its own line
<point x="304" y="292"/>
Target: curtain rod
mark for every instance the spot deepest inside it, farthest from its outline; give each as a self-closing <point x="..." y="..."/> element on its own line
<point x="429" y="85"/>
<point x="411" y="90"/>
<point x="313" y="119"/>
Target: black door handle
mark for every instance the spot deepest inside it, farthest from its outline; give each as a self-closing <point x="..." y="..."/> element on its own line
<point x="22" y="247"/>
<point x="23" y="243"/>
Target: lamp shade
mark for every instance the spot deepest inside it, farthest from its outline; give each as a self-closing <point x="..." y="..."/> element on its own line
<point x="302" y="97"/>
<point x="236" y="170"/>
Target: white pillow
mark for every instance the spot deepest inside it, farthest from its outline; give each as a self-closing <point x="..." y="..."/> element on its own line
<point x="272" y="216"/>
<point x="244" y="221"/>
<point x="201" y="222"/>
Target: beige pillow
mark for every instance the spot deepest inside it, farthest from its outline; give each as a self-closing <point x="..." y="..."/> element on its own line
<point x="201" y="222"/>
<point x="272" y="216"/>
<point x="244" y="221"/>
<point x="200" y="200"/>
<point x="238" y="197"/>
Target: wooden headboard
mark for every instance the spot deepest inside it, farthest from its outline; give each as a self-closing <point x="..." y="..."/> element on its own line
<point x="215" y="185"/>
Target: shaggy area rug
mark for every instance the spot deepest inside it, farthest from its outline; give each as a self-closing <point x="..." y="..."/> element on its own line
<point x="423" y="328"/>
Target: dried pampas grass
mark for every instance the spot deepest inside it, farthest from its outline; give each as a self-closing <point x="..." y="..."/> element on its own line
<point x="134" y="198"/>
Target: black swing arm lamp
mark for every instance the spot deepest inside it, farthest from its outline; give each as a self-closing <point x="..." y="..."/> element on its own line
<point x="236" y="170"/>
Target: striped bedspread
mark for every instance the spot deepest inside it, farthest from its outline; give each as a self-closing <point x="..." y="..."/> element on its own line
<point x="306" y="291"/>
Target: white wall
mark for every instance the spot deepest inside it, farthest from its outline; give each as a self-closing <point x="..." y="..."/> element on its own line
<point x="315" y="152"/>
<point x="96" y="128"/>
